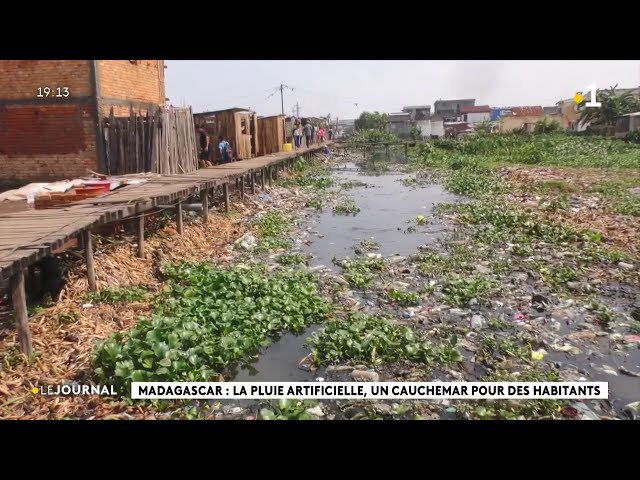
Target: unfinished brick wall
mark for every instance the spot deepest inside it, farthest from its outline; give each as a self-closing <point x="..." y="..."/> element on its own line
<point x="131" y="83"/>
<point x="47" y="143"/>
<point x="46" y="139"/>
<point x="20" y="79"/>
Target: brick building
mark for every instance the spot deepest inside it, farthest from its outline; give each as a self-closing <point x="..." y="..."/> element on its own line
<point x="52" y="137"/>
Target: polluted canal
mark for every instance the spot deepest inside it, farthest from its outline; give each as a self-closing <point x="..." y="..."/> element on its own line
<point x="390" y="207"/>
<point x="422" y="296"/>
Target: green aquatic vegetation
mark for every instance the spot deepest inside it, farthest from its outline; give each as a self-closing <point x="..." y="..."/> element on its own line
<point x="133" y="293"/>
<point x="369" y="339"/>
<point x="404" y="298"/>
<point x="554" y="186"/>
<point x="501" y="221"/>
<point x="474" y="183"/>
<point x="357" y="271"/>
<point x="315" y="203"/>
<point x="206" y="320"/>
<point x="493" y="346"/>
<point x="556" y="276"/>
<point x="548" y="149"/>
<point x="287" y="409"/>
<point x="432" y="263"/>
<point x="513" y="409"/>
<point x="458" y="291"/>
<point x="554" y="204"/>
<point x="352" y="184"/>
<point x="273" y="224"/>
<point x="346" y="207"/>
<point x="293" y="259"/>
<point x="368" y="245"/>
<point x="269" y="244"/>
<point x="605" y="315"/>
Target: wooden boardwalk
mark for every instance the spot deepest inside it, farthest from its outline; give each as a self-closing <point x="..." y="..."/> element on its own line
<point x="28" y="236"/>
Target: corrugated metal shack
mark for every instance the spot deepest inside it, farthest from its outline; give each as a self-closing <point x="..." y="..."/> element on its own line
<point x="272" y="134"/>
<point x="239" y="126"/>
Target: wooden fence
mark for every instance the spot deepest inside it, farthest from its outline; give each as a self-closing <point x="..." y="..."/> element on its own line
<point x="163" y="142"/>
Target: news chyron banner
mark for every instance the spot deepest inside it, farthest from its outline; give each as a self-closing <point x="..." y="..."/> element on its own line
<point x="371" y="390"/>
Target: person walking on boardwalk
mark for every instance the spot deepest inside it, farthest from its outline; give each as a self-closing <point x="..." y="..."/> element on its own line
<point x="224" y="150"/>
<point x="330" y="133"/>
<point x="297" y="134"/>
<point x="206" y="149"/>
<point x="308" y="131"/>
<point x="321" y="133"/>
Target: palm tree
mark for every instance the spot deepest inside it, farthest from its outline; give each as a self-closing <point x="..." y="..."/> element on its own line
<point x="613" y="105"/>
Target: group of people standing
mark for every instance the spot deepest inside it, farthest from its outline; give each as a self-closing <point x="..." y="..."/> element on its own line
<point x="208" y="150"/>
<point x="312" y="134"/>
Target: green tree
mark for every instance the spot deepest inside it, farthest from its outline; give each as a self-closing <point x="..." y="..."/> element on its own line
<point x="372" y="121"/>
<point x="415" y="133"/>
<point x="547" y="125"/>
<point x="483" y="128"/>
<point x="613" y="105"/>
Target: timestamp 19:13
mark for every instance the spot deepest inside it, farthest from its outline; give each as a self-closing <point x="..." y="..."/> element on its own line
<point x="59" y="92"/>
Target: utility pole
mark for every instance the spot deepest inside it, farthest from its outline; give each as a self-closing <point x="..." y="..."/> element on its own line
<point x="282" y="97"/>
<point x="297" y="110"/>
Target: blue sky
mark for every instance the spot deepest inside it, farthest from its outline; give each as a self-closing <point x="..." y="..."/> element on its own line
<point x="345" y="88"/>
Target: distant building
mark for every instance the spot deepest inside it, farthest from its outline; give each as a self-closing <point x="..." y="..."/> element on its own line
<point x="521" y="117"/>
<point x="419" y="118"/>
<point x="449" y="110"/>
<point x="436" y="126"/>
<point x="499" y="112"/>
<point x="346" y="127"/>
<point x="475" y="114"/>
<point x="457" y="129"/>
<point x="400" y="124"/>
<point x="627" y="123"/>
<point x="418" y="112"/>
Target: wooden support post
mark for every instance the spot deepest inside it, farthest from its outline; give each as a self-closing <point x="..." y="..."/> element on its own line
<point x="253" y="183"/>
<point x="262" y="179"/>
<point x="179" y="218"/>
<point x="270" y="172"/>
<point x="277" y="167"/>
<point x="406" y="150"/>
<point x="19" y="300"/>
<point x="88" y="254"/>
<point x="225" y="189"/>
<point x="387" y="150"/>
<point x="205" y="204"/>
<point x="242" y="187"/>
<point x="141" y="236"/>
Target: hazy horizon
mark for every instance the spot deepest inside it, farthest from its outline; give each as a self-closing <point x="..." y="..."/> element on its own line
<point x="346" y="88"/>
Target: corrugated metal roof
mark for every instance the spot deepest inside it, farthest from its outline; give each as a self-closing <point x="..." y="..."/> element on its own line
<point x="475" y="109"/>
<point x="527" y="111"/>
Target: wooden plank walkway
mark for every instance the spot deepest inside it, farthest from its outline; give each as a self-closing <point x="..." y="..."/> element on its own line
<point x="28" y="236"/>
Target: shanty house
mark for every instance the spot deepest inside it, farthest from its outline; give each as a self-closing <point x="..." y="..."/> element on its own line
<point x="272" y="134"/>
<point x="239" y="126"/>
